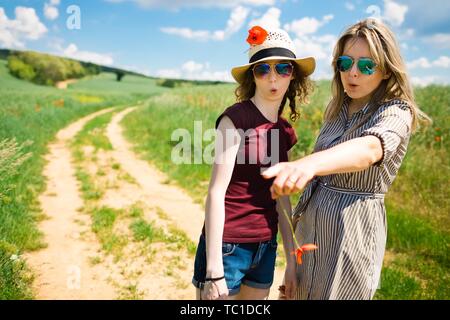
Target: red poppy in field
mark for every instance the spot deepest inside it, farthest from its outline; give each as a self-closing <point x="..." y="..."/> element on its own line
<point x="256" y="35"/>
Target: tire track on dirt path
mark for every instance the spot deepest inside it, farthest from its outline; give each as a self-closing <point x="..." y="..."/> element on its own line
<point x="179" y="206"/>
<point x="62" y="269"/>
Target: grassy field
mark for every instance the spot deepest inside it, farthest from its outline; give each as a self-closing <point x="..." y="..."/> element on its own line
<point x="417" y="260"/>
<point x="30" y="116"/>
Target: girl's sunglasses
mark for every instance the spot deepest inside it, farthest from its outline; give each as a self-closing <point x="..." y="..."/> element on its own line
<point x="284" y="69"/>
<point x="365" y="65"/>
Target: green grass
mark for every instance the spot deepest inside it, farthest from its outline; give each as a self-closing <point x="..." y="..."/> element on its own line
<point x="31" y="115"/>
<point x="152" y="127"/>
<point x="395" y="284"/>
<point x="103" y="219"/>
<point x="176" y="238"/>
<point x="15" y="278"/>
<point x="418" y="205"/>
<point x="93" y="133"/>
<point x="180" y="240"/>
<point x="143" y="230"/>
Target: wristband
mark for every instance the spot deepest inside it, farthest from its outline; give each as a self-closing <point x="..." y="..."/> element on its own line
<point x="214" y="279"/>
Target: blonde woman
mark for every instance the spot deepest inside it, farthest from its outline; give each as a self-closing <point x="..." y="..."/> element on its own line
<point x="357" y="155"/>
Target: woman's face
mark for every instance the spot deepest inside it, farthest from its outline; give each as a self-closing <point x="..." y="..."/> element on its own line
<point x="272" y="86"/>
<point x="357" y="85"/>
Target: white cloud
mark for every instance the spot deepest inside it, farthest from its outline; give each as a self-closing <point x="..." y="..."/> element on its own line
<point x="192" y="70"/>
<point x="394" y="13"/>
<point x="349" y="6"/>
<point x="443" y="62"/>
<point x="419" y="63"/>
<point x="427" y="17"/>
<point x="72" y="52"/>
<point x="319" y="47"/>
<point x="168" y="74"/>
<point x="440" y="40"/>
<point x="192" y="67"/>
<point x="235" y="22"/>
<point x="188" y="33"/>
<point x="424" y="63"/>
<point x="177" y="4"/>
<point x="427" y="80"/>
<point x="307" y="25"/>
<point x="26" y="25"/>
<point x="269" y="20"/>
<point x="308" y="44"/>
<point x="50" y="12"/>
<point x="133" y="68"/>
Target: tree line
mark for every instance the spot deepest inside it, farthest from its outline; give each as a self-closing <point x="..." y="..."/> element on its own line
<point x="46" y="69"/>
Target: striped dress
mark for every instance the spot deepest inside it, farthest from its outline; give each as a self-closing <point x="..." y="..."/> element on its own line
<point x="344" y="214"/>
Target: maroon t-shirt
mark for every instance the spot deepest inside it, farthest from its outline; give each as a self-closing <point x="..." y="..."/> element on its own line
<point x="250" y="212"/>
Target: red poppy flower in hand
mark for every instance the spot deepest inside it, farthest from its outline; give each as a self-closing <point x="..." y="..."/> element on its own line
<point x="300" y="251"/>
<point x="256" y="35"/>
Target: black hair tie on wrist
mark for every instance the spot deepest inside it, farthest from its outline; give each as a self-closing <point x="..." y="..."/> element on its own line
<point x="214" y="279"/>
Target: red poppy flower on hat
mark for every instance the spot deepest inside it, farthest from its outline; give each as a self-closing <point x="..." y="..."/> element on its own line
<point x="256" y="35"/>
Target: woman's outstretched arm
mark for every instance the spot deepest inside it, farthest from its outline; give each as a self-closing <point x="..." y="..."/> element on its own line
<point x="350" y="156"/>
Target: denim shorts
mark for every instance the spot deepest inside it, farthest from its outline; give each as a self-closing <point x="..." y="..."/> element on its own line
<point x="252" y="264"/>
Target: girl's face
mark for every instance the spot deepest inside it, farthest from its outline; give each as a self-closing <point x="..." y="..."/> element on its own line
<point x="358" y="85"/>
<point x="272" y="78"/>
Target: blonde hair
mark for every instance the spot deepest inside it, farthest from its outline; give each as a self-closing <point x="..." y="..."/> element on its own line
<point x="386" y="53"/>
<point x="300" y="87"/>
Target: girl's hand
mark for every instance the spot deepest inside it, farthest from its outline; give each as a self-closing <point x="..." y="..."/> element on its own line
<point x="215" y="290"/>
<point x="289" y="287"/>
<point x="291" y="177"/>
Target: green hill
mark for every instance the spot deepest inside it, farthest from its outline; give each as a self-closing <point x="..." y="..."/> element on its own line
<point x="30" y="116"/>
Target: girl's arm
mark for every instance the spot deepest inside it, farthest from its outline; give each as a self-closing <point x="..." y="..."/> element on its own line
<point x="226" y="148"/>
<point x="350" y="156"/>
<point x="284" y="210"/>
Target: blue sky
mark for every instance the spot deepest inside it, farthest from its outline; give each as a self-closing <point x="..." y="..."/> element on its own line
<point x="204" y="39"/>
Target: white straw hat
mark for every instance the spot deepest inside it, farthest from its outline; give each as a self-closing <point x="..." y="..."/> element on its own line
<point x="272" y="45"/>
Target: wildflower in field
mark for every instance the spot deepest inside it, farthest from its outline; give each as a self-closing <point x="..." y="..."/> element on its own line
<point x="59" y="103"/>
<point x="14" y="257"/>
<point x="300" y="249"/>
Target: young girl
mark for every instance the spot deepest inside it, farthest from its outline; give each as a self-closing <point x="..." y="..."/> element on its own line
<point x="237" y="249"/>
<point x="357" y="155"/>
